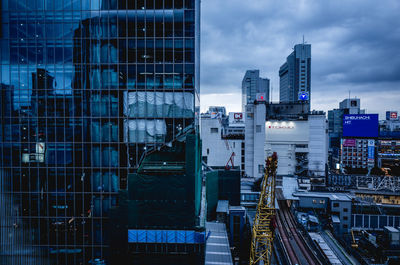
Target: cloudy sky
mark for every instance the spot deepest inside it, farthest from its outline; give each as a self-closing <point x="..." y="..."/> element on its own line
<point x="355" y="46"/>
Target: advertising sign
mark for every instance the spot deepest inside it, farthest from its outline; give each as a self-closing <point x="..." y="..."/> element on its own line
<point x="385" y="143"/>
<point x="392" y="115"/>
<point x="360" y="125"/>
<point x="236" y="119"/>
<point x="260" y="96"/>
<point x="238" y="116"/>
<point x="349" y="142"/>
<point x="371" y="151"/>
<point x="303" y="95"/>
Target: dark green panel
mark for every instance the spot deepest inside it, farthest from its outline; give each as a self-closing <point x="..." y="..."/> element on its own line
<point x="212" y="193"/>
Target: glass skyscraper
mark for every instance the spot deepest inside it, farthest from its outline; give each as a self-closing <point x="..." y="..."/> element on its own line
<point x="295" y="76"/>
<point x="254" y="86"/>
<point x="89" y="88"/>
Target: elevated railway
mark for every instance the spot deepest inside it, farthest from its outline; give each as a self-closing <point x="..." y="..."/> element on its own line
<point x="268" y="219"/>
<point x="297" y="249"/>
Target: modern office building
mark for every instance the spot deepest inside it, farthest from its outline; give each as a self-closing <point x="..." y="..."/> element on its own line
<point x="295" y="75"/>
<point x="254" y="87"/>
<point x="335" y="121"/>
<point x="90" y="92"/>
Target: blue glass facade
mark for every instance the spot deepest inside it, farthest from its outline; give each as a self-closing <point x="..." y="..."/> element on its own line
<point x="88" y="88"/>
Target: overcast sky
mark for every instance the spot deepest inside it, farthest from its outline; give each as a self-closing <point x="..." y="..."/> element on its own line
<point x="355" y="46"/>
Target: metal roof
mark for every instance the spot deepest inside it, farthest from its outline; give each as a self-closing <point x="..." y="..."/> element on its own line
<point x="330" y="195"/>
<point x="217" y="245"/>
<point x="223" y="206"/>
<point x="391" y="229"/>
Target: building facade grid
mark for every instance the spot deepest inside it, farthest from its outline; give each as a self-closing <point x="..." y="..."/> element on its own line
<point x="91" y="87"/>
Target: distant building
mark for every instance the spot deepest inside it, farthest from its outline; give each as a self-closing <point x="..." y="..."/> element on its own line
<point x="281" y="111"/>
<point x="357" y="153"/>
<point x="335" y="120"/>
<point x="214" y="110"/>
<point x="336" y="205"/>
<point x="254" y="87"/>
<point x="388" y="145"/>
<point x="222" y="139"/>
<point x="301" y="145"/>
<point x="295" y="75"/>
<point x="300" y="140"/>
<point x="254" y="140"/>
<point x="390" y="127"/>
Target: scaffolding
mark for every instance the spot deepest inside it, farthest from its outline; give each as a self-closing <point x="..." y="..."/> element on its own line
<point x="263" y="230"/>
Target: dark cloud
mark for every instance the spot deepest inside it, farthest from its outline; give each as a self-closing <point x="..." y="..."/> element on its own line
<point x="354" y="46"/>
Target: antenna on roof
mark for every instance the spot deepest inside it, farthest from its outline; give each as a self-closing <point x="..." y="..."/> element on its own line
<point x="270" y="92"/>
<point x="304" y="42"/>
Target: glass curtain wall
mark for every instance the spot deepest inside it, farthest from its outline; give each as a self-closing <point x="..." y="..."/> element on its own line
<point x="87" y="87"/>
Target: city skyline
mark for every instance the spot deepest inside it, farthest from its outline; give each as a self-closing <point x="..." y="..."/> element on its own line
<point x="353" y="44"/>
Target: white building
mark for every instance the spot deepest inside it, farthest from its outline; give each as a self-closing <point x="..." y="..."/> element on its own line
<point x="301" y="144"/>
<point x="221" y="137"/>
<point x="255" y="140"/>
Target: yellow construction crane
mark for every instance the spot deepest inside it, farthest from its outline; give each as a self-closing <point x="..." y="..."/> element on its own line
<point x="263" y="227"/>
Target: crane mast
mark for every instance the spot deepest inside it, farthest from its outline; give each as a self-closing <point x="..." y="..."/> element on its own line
<point x="263" y="226"/>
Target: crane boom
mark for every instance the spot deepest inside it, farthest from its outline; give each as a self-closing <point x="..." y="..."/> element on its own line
<point x="263" y="226"/>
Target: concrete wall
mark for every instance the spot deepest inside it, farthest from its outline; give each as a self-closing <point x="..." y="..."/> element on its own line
<point x="318" y="144"/>
<point x="343" y="210"/>
<point x="313" y="202"/>
<point x="282" y="138"/>
<point x="254" y="140"/>
<point x="215" y="148"/>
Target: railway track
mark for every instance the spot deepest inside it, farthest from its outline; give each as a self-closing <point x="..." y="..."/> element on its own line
<point x="286" y="238"/>
<point x="294" y="243"/>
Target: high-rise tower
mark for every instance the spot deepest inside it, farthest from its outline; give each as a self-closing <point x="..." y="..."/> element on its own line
<point x="295" y="75"/>
<point x="253" y="85"/>
<point x="102" y="90"/>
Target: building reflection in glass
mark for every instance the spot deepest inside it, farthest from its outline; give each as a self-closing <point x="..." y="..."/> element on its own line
<point x="86" y="88"/>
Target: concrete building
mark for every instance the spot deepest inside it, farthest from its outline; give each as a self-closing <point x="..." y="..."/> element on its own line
<point x="390" y="127"/>
<point x="357" y="153"/>
<point x="301" y="146"/>
<point x="335" y="121"/>
<point x="295" y="75"/>
<point x="222" y="136"/>
<point x="254" y="140"/>
<point x="388" y="154"/>
<point x="388" y="144"/>
<point x="254" y="87"/>
<point x="337" y="205"/>
<point x="299" y="140"/>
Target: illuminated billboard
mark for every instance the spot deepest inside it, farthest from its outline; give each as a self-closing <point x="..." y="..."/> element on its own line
<point x="392" y="115"/>
<point x="360" y="125"/>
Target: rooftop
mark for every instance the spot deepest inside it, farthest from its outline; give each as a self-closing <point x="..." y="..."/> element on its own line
<point x="223" y="206"/>
<point x="391" y="229"/>
<point x="217" y="245"/>
<point x="330" y="195"/>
